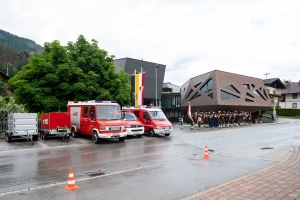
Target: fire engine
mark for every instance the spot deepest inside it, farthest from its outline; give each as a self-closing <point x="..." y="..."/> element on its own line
<point x="97" y="118"/>
<point x="153" y="118"/>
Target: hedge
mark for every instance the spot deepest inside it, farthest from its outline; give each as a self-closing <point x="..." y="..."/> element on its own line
<point x="288" y="112"/>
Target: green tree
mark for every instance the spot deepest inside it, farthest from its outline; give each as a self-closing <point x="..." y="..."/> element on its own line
<point x="3" y="88"/>
<point x="80" y="71"/>
<point x="8" y="105"/>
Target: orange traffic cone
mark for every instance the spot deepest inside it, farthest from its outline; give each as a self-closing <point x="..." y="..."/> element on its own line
<point x="71" y="181"/>
<point x="206" y="155"/>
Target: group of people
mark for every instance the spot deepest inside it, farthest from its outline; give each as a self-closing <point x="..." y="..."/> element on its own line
<point x="220" y="119"/>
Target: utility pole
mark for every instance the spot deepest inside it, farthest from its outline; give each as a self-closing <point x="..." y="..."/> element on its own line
<point x="266" y="75"/>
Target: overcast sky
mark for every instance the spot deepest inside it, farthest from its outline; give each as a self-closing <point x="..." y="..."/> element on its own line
<point x="190" y="37"/>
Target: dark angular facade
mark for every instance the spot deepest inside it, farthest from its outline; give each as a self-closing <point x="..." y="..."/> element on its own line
<point x="130" y="64"/>
<point x="223" y="91"/>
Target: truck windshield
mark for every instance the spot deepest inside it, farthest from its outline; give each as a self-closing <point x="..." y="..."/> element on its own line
<point x="129" y="117"/>
<point x="158" y="115"/>
<point x="108" y="113"/>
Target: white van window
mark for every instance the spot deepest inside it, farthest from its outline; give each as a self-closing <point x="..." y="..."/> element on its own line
<point x="129" y="117"/>
<point x="158" y="115"/>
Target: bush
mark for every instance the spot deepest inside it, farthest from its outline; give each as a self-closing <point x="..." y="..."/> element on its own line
<point x="288" y="112"/>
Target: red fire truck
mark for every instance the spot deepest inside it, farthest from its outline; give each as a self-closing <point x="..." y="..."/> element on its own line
<point x="100" y="119"/>
<point x="55" y="124"/>
<point x="154" y="120"/>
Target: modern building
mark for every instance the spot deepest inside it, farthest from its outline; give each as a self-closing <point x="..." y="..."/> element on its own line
<point x="291" y="95"/>
<point x="224" y="91"/>
<point x="170" y="101"/>
<point x="155" y="74"/>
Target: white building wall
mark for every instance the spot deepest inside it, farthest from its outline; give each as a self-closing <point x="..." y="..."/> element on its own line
<point x="289" y="101"/>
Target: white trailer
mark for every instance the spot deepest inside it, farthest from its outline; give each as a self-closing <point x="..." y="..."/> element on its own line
<point x="22" y="125"/>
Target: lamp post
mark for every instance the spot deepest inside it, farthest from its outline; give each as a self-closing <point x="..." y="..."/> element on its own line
<point x="156" y="84"/>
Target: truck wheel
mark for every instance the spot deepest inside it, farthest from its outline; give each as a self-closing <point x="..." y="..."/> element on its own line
<point x="74" y="133"/>
<point x="121" y="139"/>
<point x="95" y="137"/>
<point x="151" y="132"/>
<point x="45" y="136"/>
<point x="167" y="134"/>
<point x="7" y="138"/>
<point x="35" y="138"/>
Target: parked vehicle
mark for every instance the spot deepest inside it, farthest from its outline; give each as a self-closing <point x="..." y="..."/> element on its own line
<point x="99" y="119"/>
<point x="22" y="125"/>
<point x="133" y="125"/>
<point x="55" y="124"/>
<point x="154" y="120"/>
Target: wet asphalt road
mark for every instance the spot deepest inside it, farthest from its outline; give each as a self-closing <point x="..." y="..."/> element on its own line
<point x="142" y="168"/>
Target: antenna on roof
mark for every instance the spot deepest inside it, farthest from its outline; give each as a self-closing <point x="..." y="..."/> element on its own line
<point x="266" y="75"/>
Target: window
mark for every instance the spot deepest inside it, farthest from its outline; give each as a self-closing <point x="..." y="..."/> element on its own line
<point x="226" y="95"/>
<point x="249" y="95"/>
<point x="246" y="86"/>
<point x="92" y="112"/>
<point x="257" y="92"/>
<point x="146" y="116"/>
<point x="294" y="96"/>
<point x="211" y="95"/>
<point x="196" y="95"/>
<point x="167" y="90"/>
<point x="253" y="85"/>
<point x="248" y="100"/>
<point x="197" y="85"/>
<point x="232" y="88"/>
<point x="85" y="111"/>
<point x="189" y="93"/>
<point x="294" y="105"/>
<point x="265" y="94"/>
<point x="207" y="87"/>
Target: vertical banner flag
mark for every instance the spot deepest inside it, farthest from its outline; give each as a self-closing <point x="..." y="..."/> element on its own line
<point x="137" y="85"/>
<point x="139" y="88"/>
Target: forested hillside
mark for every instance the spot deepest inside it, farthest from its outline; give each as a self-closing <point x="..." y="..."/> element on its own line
<point x="15" y="51"/>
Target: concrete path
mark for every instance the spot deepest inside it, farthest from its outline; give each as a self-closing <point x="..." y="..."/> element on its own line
<point x="280" y="181"/>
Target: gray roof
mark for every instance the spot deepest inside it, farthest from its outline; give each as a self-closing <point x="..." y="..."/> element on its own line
<point x="293" y="87"/>
<point x="274" y="82"/>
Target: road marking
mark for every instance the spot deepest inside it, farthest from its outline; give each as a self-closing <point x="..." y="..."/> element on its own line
<point x="84" y="179"/>
<point x="43" y="144"/>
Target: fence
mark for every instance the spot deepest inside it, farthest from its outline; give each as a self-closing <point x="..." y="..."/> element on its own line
<point x="3" y="125"/>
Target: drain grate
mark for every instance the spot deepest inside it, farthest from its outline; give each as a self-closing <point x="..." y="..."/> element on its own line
<point x="96" y="173"/>
<point x="211" y="150"/>
<point x="266" y="148"/>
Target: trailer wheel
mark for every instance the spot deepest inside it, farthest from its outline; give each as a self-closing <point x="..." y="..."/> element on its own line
<point x="151" y="132"/>
<point x="95" y="137"/>
<point x="74" y="133"/>
<point x="7" y="138"/>
<point x="35" y="138"/>
<point x="122" y="139"/>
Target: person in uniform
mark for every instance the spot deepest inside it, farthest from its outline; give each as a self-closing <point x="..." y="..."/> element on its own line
<point x="199" y="121"/>
<point x="181" y="122"/>
<point x="259" y="117"/>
